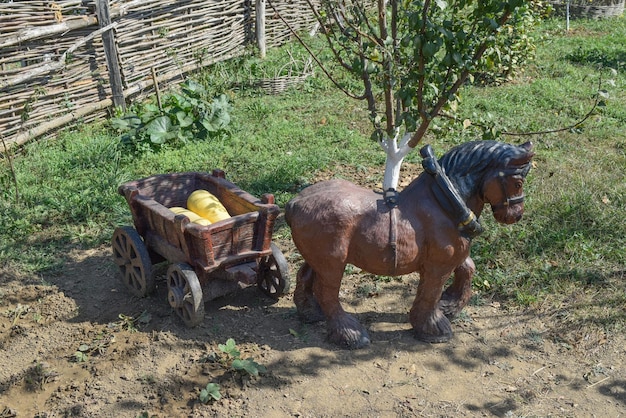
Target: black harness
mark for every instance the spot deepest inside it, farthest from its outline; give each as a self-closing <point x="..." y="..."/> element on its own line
<point x="448" y="197"/>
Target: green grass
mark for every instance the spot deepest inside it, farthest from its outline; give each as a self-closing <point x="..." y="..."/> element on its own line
<point x="573" y="235"/>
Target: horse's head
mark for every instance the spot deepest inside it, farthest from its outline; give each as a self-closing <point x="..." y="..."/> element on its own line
<point x="503" y="187"/>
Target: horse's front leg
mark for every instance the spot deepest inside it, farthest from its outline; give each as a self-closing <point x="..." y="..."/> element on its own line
<point x="428" y="321"/>
<point x="458" y="294"/>
<point x="343" y="328"/>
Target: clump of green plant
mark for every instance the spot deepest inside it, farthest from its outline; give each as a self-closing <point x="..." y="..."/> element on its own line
<point x="210" y="393"/>
<point x="130" y="323"/>
<point x="178" y="118"/>
<point x="98" y="346"/>
<point x="39" y="375"/>
<point x="233" y="360"/>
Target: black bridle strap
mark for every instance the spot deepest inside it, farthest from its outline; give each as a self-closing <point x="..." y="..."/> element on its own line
<point x="508" y="201"/>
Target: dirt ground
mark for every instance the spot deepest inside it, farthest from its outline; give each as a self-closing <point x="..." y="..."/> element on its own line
<point x="77" y="344"/>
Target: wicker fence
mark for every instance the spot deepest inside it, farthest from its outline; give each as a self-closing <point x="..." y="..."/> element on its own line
<point x="63" y="61"/>
<point x="588" y="9"/>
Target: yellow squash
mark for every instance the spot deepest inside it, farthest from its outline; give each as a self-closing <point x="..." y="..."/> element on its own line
<point x="193" y="217"/>
<point x="207" y="205"/>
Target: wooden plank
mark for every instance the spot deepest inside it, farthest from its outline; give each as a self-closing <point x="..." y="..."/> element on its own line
<point x="110" y="52"/>
<point x="260" y="26"/>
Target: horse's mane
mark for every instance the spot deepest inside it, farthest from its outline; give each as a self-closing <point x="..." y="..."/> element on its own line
<point x="466" y="164"/>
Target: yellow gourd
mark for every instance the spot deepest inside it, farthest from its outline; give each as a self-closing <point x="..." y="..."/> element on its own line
<point x="193" y="217"/>
<point x="207" y="205"/>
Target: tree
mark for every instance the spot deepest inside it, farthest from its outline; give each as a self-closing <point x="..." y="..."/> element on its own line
<point x="412" y="57"/>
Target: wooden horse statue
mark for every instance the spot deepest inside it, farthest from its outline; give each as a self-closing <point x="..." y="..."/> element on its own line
<point x="427" y="227"/>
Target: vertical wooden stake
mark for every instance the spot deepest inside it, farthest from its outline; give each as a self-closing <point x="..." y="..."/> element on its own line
<point x="156" y="89"/>
<point x="110" y="52"/>
<point x="260" y="26"/>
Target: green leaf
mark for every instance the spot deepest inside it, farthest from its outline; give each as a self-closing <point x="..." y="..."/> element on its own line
<point x="429" y="50"/>
<point x="442" y="4"/>
<point x="211" y="392"/>
<point x="229" y="348"/>
<point x="184" y="119"/>
<point x="80" y="357"/>
<point x="249" y="366"/>
<point x="160" y="130"/>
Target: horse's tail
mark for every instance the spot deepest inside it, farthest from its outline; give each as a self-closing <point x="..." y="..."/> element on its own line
<point x="289" y="212"/>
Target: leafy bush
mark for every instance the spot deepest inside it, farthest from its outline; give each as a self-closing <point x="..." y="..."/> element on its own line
<point x="183" y="116"/>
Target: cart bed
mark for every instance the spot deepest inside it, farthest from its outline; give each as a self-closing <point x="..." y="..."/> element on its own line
<point x="245" y="236"/>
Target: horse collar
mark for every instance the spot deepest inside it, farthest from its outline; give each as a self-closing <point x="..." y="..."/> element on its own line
<point x="449" y="198"/>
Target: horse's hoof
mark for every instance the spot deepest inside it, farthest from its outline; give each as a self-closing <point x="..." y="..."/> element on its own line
<point x="435" y="328"/>
<point x="347" y="332"/>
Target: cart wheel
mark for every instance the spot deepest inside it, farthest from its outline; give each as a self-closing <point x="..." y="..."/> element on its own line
<point x="184" y="294"/>
<point x="273" y="278"/>
<point x="131" y="256"/>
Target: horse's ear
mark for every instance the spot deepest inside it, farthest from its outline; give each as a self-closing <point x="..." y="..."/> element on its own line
<point x="524" y="159"/>
<point x="528" y="146"/>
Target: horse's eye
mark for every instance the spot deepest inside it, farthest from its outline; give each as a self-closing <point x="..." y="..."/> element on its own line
<point x="518" y="185"/>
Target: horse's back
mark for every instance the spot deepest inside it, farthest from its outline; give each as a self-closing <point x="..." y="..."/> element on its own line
<point x="333" y="201"/>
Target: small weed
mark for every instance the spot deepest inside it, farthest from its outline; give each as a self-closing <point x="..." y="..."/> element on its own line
<point x="535" y="337"/>
<point x="350" y="269"/>
<point x="388" y="279"/>
<point x="39" y="375"/>
<point x="301" y="334"/>
<point x="98" y="346"/>
<point x="230" y="348"/>
<point x="148" y="379"/>
<point x="81" y="356"/>
<point x="19" y="312"/>
<point x="462" y="317"/>
<point x="367" y="290"/>
<point x="210" y="393"/>
<point x="234" y="361"/>
<point x="130" y="323"/>
<point x="477" y="300"/>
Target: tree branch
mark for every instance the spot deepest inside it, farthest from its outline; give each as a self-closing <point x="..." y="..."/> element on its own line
<point x="315" y="58"/>
<point x="443" y="98"/>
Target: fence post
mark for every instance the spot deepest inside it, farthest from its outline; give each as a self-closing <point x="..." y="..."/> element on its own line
<point x="110" y="53"/>
<point x="260" y="26"/>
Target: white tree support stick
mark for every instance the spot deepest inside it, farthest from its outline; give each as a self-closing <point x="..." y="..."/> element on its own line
<point x="395" y="155"/>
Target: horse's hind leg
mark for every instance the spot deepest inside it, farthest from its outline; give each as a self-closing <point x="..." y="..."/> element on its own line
<point x="343" y="329"/>
<point x="458" y="294"/>
<point x="309" y="309"/>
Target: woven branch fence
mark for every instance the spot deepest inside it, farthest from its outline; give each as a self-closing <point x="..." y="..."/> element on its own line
<point x="63" y="61"/>
<point x="588" y="9"/>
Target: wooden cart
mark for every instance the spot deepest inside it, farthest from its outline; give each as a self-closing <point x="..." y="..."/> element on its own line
<point x="206" y="261"/>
